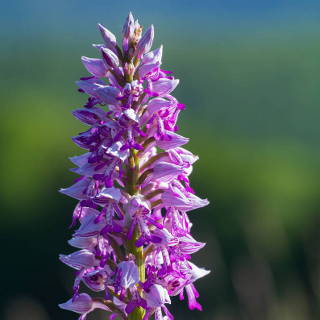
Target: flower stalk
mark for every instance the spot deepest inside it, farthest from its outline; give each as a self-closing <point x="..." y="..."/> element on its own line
<point x="133" y="174"/>
<point x="139" y="312"/>
<point x="134" y="236"/>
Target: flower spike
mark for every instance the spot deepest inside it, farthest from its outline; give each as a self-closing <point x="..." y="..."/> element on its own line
<point x="133" y="235"/>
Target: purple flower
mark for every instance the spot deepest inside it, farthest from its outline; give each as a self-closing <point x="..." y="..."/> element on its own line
<point x="82" y="304"/>
<point x="133" y="233"/>
<point x="129" y="274"/>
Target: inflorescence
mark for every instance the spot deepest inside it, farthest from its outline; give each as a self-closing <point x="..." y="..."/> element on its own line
<point x="134" y="235"/>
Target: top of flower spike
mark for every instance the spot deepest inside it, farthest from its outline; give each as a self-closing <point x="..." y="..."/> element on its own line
<point x="133" y="43"/>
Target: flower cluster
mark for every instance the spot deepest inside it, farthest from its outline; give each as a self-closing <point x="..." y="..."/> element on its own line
<point x="133" y="236"/>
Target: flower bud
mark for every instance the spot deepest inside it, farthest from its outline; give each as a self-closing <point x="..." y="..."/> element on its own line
<point x="108" y="37"/>
<point x="110" y="58"/>
<point x="145" y="43"/>
<point x="128" y="27"/>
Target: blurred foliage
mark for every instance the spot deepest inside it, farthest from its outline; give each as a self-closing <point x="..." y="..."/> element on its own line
<point x="252" y="115"/>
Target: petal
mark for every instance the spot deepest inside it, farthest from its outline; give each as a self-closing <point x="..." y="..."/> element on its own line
<point x="110" y="193"/>
<point x="80" y="160"/>
<point x="172" y="140"/>
<point x="87" y="169"/>
<point x="109" y="38"/>
<point x="95" y="280"/>
<point x="145" y="43"/>
<point x="187" y="156"/>
<point x="132" y="115"/>
<point x="107" y="94"/>
<point x="89" y="226"/>
<point x="79" y="259"/>
<point x="164" y="86"/>
<point x="137" y="204"/>
<point x="89" y="117"/>
<point x="129" y="274"/>
<point x="166" y="171"/>
<point x="99" y="305"/>
<point x="188" y="245"/>
<point x="77" y="190"/>
<point x="80" y="304"/>
<point x="157" y="104"/>
<point x="115" y="150"/>
<point x="166" y="237"/>
<point x="83" y="243"/>
<point x="196" y="202"/>
<point x="95" y="66"/>
<point x="170" y="199"/>
<point x="154" y="56"/>
<point x="147" y="68"/>
<point x="156" y="296"/>
<point x="196" y="272"/>
<point x="90" y="85"/>
<point x="128" y="26"/>
<point x="186" y="202"/>
<point x="110" y="57"/>
<point x="192" y="301"/>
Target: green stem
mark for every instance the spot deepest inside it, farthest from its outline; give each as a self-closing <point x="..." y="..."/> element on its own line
<point x="132" y="175"/>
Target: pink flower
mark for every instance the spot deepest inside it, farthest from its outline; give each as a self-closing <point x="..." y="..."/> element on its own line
<point x="133" y="193"/>
<point x="82" y="304"/>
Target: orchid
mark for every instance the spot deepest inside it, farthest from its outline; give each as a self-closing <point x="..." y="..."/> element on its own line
<point x="133" y="235"/>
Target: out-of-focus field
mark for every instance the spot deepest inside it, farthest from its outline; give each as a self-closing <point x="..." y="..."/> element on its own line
<point x="252" y="114"/>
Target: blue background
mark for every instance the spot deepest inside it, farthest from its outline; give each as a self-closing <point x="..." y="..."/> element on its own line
<point x="250" y="76"/>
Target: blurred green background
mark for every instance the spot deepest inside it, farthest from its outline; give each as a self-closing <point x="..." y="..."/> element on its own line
<point x="250" y="76"/>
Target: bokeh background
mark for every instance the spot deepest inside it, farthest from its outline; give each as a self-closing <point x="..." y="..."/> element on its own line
<point x="250" y="76"/>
